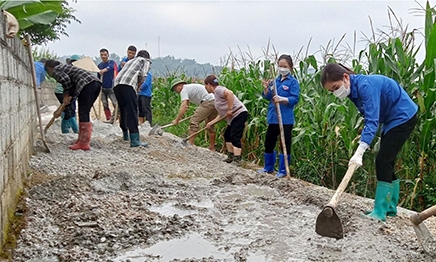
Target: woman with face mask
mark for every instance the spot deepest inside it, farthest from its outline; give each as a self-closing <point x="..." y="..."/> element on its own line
<point x="382" y="101"/>
<point x="288" y="94"/>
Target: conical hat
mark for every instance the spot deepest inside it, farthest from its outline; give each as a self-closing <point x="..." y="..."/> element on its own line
<point x="87" y="64"/>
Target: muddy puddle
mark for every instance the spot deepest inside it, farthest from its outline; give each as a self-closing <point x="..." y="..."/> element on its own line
<point x="191" y="246"/>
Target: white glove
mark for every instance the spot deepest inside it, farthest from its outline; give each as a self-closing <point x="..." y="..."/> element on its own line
<point x="280" y="99"/>
<point x="358" y="155"/>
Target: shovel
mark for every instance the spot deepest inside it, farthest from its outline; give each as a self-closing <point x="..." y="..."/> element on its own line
<point x="424" y="236"/>
<point x="32" y="67"/>
<point x="61" y="108"/>
<point x="328" y="223"/>
<point x="202" y="129"/>
<point x="282" y="134"/>
<point x="213" y="122"/>
<point x="157" y="129"/>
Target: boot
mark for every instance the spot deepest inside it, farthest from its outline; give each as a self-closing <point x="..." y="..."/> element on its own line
<point x="392" y="210"/>
<point x="135" y="141"/>
<point x="282" y="167"/>
<point x="126" y="136"/>
<point x="65" y="126"/>
<point x="107" y="112"/>
<point x="85" y="132"/>
<point x="269" y="162"/>
<point x="382" y="201"/>
<point x="237" y="159"/>
<point x="73" y="124"/>
<point x="229" y="158"/>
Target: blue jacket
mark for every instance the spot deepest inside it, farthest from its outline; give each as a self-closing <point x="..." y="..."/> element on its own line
<point x="146" y="89"/>
<point x="108" y="77"/>
<point x="125" y="59"/>
<point x="289" y="88"/>
<point x="380" y="99"/>
<point x="40" y="73"/>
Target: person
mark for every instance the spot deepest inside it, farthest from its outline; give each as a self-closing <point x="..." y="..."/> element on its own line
<point x="144" y="100"/>
<point x="205" y="111"/>
<point x="68" y="116"/>
<point x="131" y="52"/>
<point x="40" y="77"/>
<point x="83" y="85"/>
<point x="382" y="101"/>
<point x="288" y="93"/>
<point x="107" y="73"/>
<point x="229" y="106"/>
<point x="126" y="84"/>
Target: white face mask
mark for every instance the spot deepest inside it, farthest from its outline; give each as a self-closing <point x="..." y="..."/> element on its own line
<point x="284" y="71"/>
<point x="342" y="92"/>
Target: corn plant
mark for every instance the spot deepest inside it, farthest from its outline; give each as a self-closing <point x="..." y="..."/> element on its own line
<point x="326" y="131"/>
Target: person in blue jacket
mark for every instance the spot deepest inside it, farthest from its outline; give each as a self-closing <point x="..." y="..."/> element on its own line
<point x="382" y="101"/>
<point x="131" y="53"/>
<point x="107" y="74"/>
<point x="288" y="94"/>
<point x="144" y="100"/>
<point x="40" y="77"/>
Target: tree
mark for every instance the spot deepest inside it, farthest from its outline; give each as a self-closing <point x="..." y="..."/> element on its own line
<point x="43" y="20"/>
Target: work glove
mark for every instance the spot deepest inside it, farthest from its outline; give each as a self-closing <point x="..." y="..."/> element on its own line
<point x="280" y="99"/>
<point x="357" y="158"/>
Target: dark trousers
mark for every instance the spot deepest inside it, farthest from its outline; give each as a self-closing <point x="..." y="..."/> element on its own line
<point x="390" y="145"/>
<point x="273" y="132"/>
<point x="235" y="130"/>
<point x="70" y="110"/>
<point x="86" y="99"/>
<point x="128" y="105"/>
<point x="144" y="106"/>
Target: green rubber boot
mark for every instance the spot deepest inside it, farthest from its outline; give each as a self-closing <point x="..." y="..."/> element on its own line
<point x="126" y="136"/>
<point x="392" y="210"/>
<point x="135" y="140"/>
<point x="382" y="201"/>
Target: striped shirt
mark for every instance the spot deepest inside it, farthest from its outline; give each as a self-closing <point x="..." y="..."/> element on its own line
<point x="73" y="78"/>
<point x="134" y="72"/>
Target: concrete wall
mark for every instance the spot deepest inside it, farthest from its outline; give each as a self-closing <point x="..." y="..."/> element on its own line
<point x="47" y="94"/>
<point x="17" y="123"/>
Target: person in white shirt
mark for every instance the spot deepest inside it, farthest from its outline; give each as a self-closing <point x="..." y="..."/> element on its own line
<point x="126" y="84"/>
<point x="196" y="94"/>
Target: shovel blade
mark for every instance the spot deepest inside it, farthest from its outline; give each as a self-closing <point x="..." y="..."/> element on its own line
<point x="155" y="130"/>
<point x="426" y="239"/>
<point x="328" y="224"/>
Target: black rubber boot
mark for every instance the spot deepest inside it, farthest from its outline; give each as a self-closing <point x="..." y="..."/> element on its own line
<point x="229" y="158"/>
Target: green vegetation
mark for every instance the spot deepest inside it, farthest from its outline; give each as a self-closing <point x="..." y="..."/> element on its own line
<point x="43" y="20"/>
<point x="326" y="132"/>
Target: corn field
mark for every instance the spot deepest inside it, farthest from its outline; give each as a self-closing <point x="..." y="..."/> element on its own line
<point x="326" y="131"/>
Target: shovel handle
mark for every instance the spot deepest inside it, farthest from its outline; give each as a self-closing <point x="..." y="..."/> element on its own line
<point x="61" y="108"/>
<point x="202" y="129"/>
<point x="282" y="132"/>
<point x="343" y="185"/>
<point x="171" y="124"/>
<point x="419" y="217"/>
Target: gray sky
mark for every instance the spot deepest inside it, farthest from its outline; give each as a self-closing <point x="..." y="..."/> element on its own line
<point x="208" y="30"/>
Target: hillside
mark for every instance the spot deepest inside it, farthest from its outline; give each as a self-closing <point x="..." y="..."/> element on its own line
<point x="169" y="65"/>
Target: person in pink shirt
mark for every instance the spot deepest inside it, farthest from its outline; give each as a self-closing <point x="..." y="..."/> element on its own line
<point x="227" y="104"/>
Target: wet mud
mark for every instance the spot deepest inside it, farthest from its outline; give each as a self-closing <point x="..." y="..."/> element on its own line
<point x="170" y="202"/>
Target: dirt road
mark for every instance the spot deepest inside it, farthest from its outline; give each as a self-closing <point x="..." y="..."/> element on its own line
<point x="169" y="202"/>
